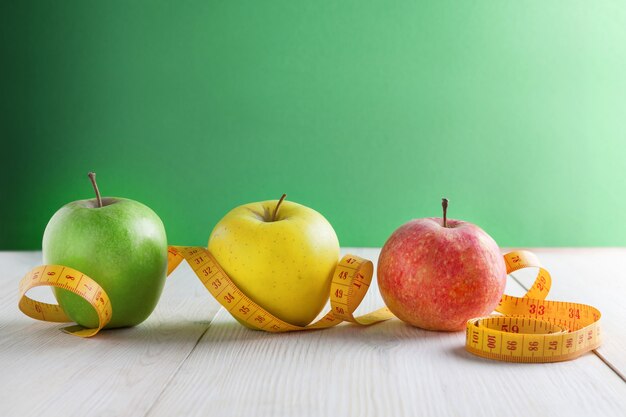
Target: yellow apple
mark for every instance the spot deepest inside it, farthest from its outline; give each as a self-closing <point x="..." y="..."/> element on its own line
<point x="280" y="254"/>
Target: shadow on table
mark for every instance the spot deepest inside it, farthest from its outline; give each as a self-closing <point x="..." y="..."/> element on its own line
<point x="385" y="335"/>
<point x="51" y="334"/>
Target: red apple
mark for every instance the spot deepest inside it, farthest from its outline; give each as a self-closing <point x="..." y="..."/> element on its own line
<point x="437" y="273"/>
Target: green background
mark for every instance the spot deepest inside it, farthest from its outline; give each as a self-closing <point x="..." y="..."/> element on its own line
<point x="368" y="111"/>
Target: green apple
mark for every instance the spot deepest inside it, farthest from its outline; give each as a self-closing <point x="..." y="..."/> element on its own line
<point x="282" y="256"/>
<point x="119" y="243"/>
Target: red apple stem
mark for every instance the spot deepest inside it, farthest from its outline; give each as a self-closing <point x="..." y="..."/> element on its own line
<point x="277" y="207"/>
<point x="92" y="177"/>
<point x="444" y="204"/>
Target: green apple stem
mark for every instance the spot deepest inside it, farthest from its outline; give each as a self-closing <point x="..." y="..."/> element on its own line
<point x="277" y="207"/>
<point x="92" y="177"/>
<point x="444" y="204"/>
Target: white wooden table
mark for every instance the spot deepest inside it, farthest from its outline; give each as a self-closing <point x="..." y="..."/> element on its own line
<point x="191" y="358"/>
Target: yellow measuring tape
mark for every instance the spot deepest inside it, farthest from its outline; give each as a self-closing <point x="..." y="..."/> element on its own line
<point x="351" y="280"/>
<point x="531" y="329"/>
<point x="71" y="280"/>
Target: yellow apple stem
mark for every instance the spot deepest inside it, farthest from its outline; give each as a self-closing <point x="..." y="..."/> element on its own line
<point x="444" y="204"/>
<point x="277" y="207"/>
<point x="92" y="177"/>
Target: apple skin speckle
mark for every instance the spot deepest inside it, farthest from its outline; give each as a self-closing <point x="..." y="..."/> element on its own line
<point x="437" y="278"/>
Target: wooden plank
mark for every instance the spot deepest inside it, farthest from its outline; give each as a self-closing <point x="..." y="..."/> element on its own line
<point x="386" y="369"/>
<point x="591" y="276"/>
<point x="118" y="372"/>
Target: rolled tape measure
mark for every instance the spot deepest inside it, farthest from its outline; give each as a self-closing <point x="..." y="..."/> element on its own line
<point x="530" y="329"/>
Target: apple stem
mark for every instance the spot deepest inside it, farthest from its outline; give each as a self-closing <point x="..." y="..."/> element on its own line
<point x="277" y="207"/>
<point x="92" y="177"/>
<point x="444" y="204"/>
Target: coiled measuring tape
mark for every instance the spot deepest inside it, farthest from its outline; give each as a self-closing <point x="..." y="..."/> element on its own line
<point x="531" y="329"/>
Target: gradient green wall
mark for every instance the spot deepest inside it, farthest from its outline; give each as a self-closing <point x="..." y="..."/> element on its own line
<point x="368" y="111"/>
